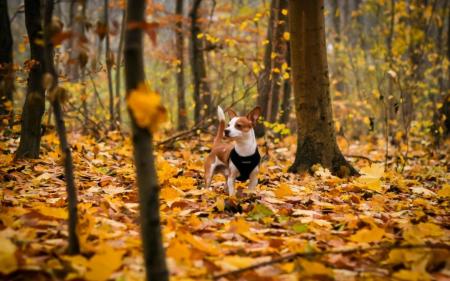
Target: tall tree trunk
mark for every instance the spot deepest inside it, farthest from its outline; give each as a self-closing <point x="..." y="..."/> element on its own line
<point x="56" y="94"/>
<point x="119" y="67"/>
<point x="34" y="107"/>
<point x="279" y="49"/>
<point x="147" y="181"/>
<point x="109" y="59"/>
<point x="287" y="89"/>
<point x="316" y="143"/>
<point x="445" y="110"/>
<point x="6" y="64"/>
<point x="202" y="94"/>
<point x="179" y="42"/>
<point x="264" y="84"/>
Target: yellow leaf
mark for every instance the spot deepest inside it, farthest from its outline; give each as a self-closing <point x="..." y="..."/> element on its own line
<point x="178" y="250"/>
<point x="146" y="108"/>
<point x="374" y="234"/>
<point x="286" y="76"/>
<point x="200" y="244"/>
<point x="417" y="233"/>
<point x="445" y="191"/>
<point x="194" y="221"/>
<point x="59" y="213"/>
<point x="220" y="204"/>
<point x="286" y="36"/>
<point x="171" y="194"/>
<point x="235" y="262"/>
<point x="8" y="259"/>
<point x="283" y="190"/>
<point x="103" y="264"/>
<point x="373" y="171"/>
<point x="311" y="268"/>
<point x="239" y="226"/>
<point x="284" y="12"/>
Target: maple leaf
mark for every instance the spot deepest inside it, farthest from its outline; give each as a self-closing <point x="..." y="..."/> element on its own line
<point x="178" y="250"/>
<point x="311" y="268"/>
<point x="445" y="191"/>
<point x="417" y="233"/>
<point x="8" y="258"/>
<point x="283" y="190"/>
<point x="146" y="108"/>
<point x="368" y="235"/>
<point x="104" y="263"/>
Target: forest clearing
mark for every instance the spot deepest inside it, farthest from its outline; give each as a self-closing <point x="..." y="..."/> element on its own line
<point x="224" y="140"/>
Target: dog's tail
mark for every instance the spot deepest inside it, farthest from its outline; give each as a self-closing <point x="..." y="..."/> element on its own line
<point x="221" y="117"/>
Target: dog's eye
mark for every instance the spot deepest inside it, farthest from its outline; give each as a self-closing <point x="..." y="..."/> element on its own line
<point x="238" y="126"/>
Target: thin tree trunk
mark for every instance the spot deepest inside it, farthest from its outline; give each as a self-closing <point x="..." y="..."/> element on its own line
<point x="6" y="64"/>
<point x="316" y="137"/>
<point x="179" y="42"/>
<point x="109" y="59"/>
<point x="202" y="95"/>
<point x="119" y="67"/>
<point x="263" y="83"/>
<point x="279" y="47"/>
<point x="34" y="107"/>
<point x="287" y="89"/>
<point x="75" y="26"/>
<point x="56" y="95"/>
<point x="147" y="181"/>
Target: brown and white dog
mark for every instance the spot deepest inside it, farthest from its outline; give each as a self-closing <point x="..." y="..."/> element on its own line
<point x="238" y="160"/>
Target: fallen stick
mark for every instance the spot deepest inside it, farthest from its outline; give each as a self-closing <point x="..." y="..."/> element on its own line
<point x="322" y="253"/>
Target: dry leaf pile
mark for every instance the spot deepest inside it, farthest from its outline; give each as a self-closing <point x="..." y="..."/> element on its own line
<point x="206" y="233"/>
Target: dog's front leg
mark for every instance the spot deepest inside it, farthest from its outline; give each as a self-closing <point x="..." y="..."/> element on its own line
<point x="234" y="173"/>
<point x="253" y="179"/>
<point x="230" y="185"/>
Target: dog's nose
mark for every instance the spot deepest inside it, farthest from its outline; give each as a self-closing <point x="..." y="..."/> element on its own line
<point x="227" y="132"/>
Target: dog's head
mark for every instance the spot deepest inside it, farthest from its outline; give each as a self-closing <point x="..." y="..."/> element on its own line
<point x="241" y="127"/>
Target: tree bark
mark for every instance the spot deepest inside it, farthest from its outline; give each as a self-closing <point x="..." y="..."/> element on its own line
<point x="287" y="89"/>
<point x="6" y="64"/>
<point x="147" y="181"/>
<point x="55" y="96"/>
<point x="263" y="83"/>
<point x="316" y="137"/>
<point x="109" y="59"/>
<point x="179" y="42"/>
<point x="119" y="67"/>
<point x="202" y="94"/>
<point x="279" y="47"/>
<point x="34" y="107"/>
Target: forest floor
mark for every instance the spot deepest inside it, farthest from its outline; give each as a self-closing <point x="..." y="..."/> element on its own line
<point x="363" y="221"/>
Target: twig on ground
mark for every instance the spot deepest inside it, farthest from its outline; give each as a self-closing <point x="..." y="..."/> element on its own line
<point x="362" y="157"/>
<point x="322" y="253"/>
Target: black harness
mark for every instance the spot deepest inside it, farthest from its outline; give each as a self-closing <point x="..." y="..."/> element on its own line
<point x="246" y="164"/>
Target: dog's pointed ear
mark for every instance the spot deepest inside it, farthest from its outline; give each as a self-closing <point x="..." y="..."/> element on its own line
<point x="231" y="113"/>
<point x="254" y="114"/>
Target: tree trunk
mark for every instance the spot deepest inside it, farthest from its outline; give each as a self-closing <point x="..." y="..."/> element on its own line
<point x="264" y="84"/>
<point x="119" y="67"/>
<point x="445" y="110"/>
<point x="147" y="181"/>
<point x="34" y="107"/>
<point x="179" y="42"/>
<point x="279" y="49"/>
<point x="316" y="143"/>
<point x="202" y="94"/>
<point x="287" y="89"/>
<point x="57" y="95"/>
<point x="6" y="64"/>
<point x="109" y="59"/>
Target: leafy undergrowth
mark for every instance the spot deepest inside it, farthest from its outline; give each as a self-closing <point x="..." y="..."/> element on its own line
<point x="207" y="234"/>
